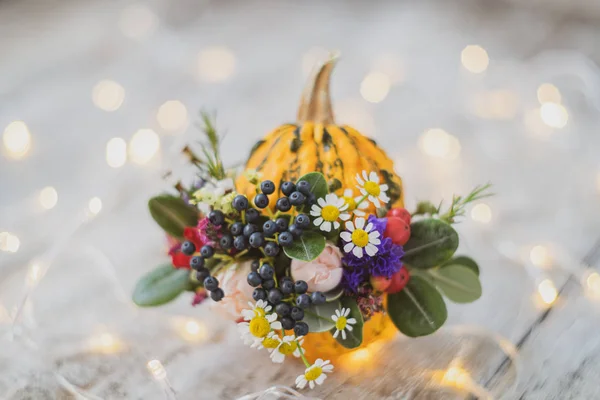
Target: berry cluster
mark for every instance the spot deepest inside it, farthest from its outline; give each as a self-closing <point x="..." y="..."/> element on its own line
<point x="197" y="263"/>
<point x="289" y="298"/>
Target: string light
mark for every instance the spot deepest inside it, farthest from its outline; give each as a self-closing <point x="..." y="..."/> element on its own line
<point x="17" y="139"/>
<point x="548" y="93"/>
<point x="157" y="370"/>
<point x="554" y="115"/>
<point x="481" y="213"/>
<point x="137" y="21"/>
<point x="440" y="144"/>
<point x="216" y="64"/>
<point x="35" y="273"/>
<point x="116" y="152"/>
<point x="475" y="59"/>
<point x="547" y="291"/>
<point x="313" y="57"/>
<point x="143" y="146"/>
<point x="540" y="256"/>
<point x="105" y="343"/>
<point x="456" y="377"/>
<point x="190" y="329"/>
<point x="172" y="116"/>
<point x="375" y="87"/>
<point x="95" y="205"/>
<point x="592" y="285"/>
<point x="48" y="197"/>
<point x="9" y="242"/>
<point x="108" y="95"/>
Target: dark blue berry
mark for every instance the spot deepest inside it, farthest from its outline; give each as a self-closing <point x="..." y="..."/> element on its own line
<point x="259" y="294"/>
<point x="217" y="295"/>
<point x="301" y="329"/>
<point x="268" y="284"/>
<point x="236" y="228"/>
<point x="188" y="248"/>
<point x="249" y="229"/>
<point x="226" y="242"/>
<point x="197" y="262"/>
<point x="297" y="199"/>
<point x="303" y="301"/>
<point x="287" y="323"/>
<point x="288" y="188"/>
<point x="282" y="224"/>
<point x="302" y="220"/>
<point x="207" y="251"/>
<point x="269" y="228"/>
<point x="252" y="215"/>
<point x="285" y="239"/>
<point x="271" y="249"/>
<point x="283" y="309"/>
<point x="295" y="230"/>
<point x="317" y="298"/>
<point x="303" y="187"/>
<point x="287" y="286"/>
<point x="211" y="283"/>
<point x="255" y="265"/>
<point x="261" y="200"/>
<point x="254" y="279"/>
<point x="267" y="187"/>
<point x="283" y="204"/>
<point x="266" y="271"/>
<point x="275" y="296"/>
<point x="240" y="242"/>
<point x="300" y="287"/>
<point x="256" y="240"/>
<point x="202" y="274"/>
<point x="240" y="202"/>
<point x="312" y="199"/>
<point x="216" y="217"/>
<point x="297" y="313"/>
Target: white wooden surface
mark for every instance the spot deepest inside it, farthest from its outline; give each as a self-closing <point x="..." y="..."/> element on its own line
<point x="52" y="54"/>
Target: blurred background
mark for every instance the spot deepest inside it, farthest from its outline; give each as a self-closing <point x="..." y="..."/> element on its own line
<point x="98" y="98"/>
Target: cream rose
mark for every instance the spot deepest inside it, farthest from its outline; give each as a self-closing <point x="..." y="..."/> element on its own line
<point x="238" y="292"/>
<point x="323" y="273"/>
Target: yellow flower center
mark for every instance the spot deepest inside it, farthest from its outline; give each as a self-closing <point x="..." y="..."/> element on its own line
<point x="340" y="323"/>
<point x="313" y="373"/>
<point x="270" y="343"/>
<point x="330" y="213"/>
<point x="260" y="327"/>
<point x="350" y="202"/>
<point x="372" y="188"/>
<point x="287" y="348"/>
<point x="259" y="312"/>
<point x="360" y="237"/>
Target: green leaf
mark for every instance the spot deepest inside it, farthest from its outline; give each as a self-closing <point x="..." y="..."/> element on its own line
<point x="464" y="261"/>
<point x="457" y="282"/>
<point x="172" y="214"/>
<point x="161" y="285"/>
<point x="318" y="184"/>
<point x="307" y="247"/>
<point x="354" y="337"/>
<point x="318" y="317"/>
<point x="418" y="309"/>
<point x="431" y="243"/>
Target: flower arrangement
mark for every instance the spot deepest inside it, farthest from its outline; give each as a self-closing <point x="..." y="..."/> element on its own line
<point x="313" y="257"/>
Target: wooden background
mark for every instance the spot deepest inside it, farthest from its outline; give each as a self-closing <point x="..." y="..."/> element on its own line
<point x="52" y="53"/>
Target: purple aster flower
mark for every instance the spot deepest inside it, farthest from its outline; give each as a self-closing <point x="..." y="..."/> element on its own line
<point x="353" y="278"/>
<point x="379" y="223"/>
<point x="388" y="259"/>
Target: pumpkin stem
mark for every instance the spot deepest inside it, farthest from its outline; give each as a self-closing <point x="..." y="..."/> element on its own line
<point x="315" y="104"/>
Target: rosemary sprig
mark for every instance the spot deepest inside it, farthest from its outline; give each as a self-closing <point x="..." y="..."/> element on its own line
<point x="459" y="203"/>
<point x="210" y="163"/>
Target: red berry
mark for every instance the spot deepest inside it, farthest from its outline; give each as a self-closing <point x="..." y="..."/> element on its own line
<point x="398" y="281"/>
<point x="380" y="283"/>
<point x="399" y="213"/>
<point x="397" y="230"/>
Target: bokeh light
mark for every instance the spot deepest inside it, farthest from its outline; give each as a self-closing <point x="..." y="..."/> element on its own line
<point x="375" y="87"/>
<point x="190" y="329"/>
<point x="105" y="343"/>
<point x="156" y="369"/>
<point x="592" y="285"/>
<point x="48" y="197"/>
<point x="439" y="144"/>
<point x="216" y="64"/>
<point x="548" y="93"/>
<point x="554" y="115"/>
<point x="108" y="95"/>
<point x="547" y="291"/>
<point x="95" y="205"/>
<point x="137" y="21"/>
<point x="9" y="242"/>
<point x="116" y="152"/>
<point x="172" y="116"/>
<point x="481" y="213"/>
<point x="17" y="139"/>
<point x="475" y="59"/>
<point x="540" y="256"/>
<point x="143" y="146"/>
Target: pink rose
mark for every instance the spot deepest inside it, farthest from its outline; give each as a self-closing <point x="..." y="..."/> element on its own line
<point x="323" y="273"/>
<point x="238" y="292"/>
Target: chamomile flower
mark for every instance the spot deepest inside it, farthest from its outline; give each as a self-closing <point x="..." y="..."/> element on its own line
<point x="316" y="373"/>
<point x="258" y="323"/>
<point x="287" y="346"/>
<point x="353" y="203"/>
<point x="342" y="322"/>
<point x="260" y="309"/>
<point x="360" y="238"/>
<point x="329" y="211"/>
<point x="369" y="186"/>
<point x="270" y="342"/>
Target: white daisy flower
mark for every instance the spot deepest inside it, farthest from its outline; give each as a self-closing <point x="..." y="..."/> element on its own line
<point x="370" y="187"/>
<point x="258" y="323"/>
<point x="359" y="238"/>
<point x="260" y="309"/>
<point x="328" y="211"/>
<point x="314" y="374"/>
<point x="342" y="322"/>
<point x="270" y="342"/>
<point x="353" y="203"/>
<point x="287" y="346"/>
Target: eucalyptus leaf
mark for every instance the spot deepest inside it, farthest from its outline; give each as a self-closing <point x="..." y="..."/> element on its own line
<point x="161" y="285"/>
<point x="464" y="261"/>
<point x="457" y="282"/>
<point x="418" y="309"/>
<point x="318" y="184"/>
<point x="307" y="247"/>
<point x="172" y="214"/>
<point x="354" y="337"/>
<point x="432" y="242"/>
<point x="318" y="317"/>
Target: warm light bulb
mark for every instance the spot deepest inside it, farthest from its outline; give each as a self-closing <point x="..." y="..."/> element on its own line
<point x="95" y="205"/>
<point x="375" y="87"/>
<point x="108" y="95"/>
<point x="143" y="146"/>
<point x="481" y="213"/>
<point x="548" y="93"/>
<point x="216" y="64"/>
<point x="172" y="116"/>
<point x="48" y="197"/>
<point x="554" y="115"/>
<point x="475" y="59"/>
<point x="105" y="343"/>
<point x="547" y="291"/>
<point x="34" y="274"/>
<point x="137" y="21"/>
<point x="540" y="256"/>
<point x="593" y="283"/>
<point x="116" y="152"/>
<point x="17" y="139"/>
<point x="456" y="377"/>
<point x="157" y="370"/>
<point x="440" y="144"/>
<point x="9" y="242"/>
